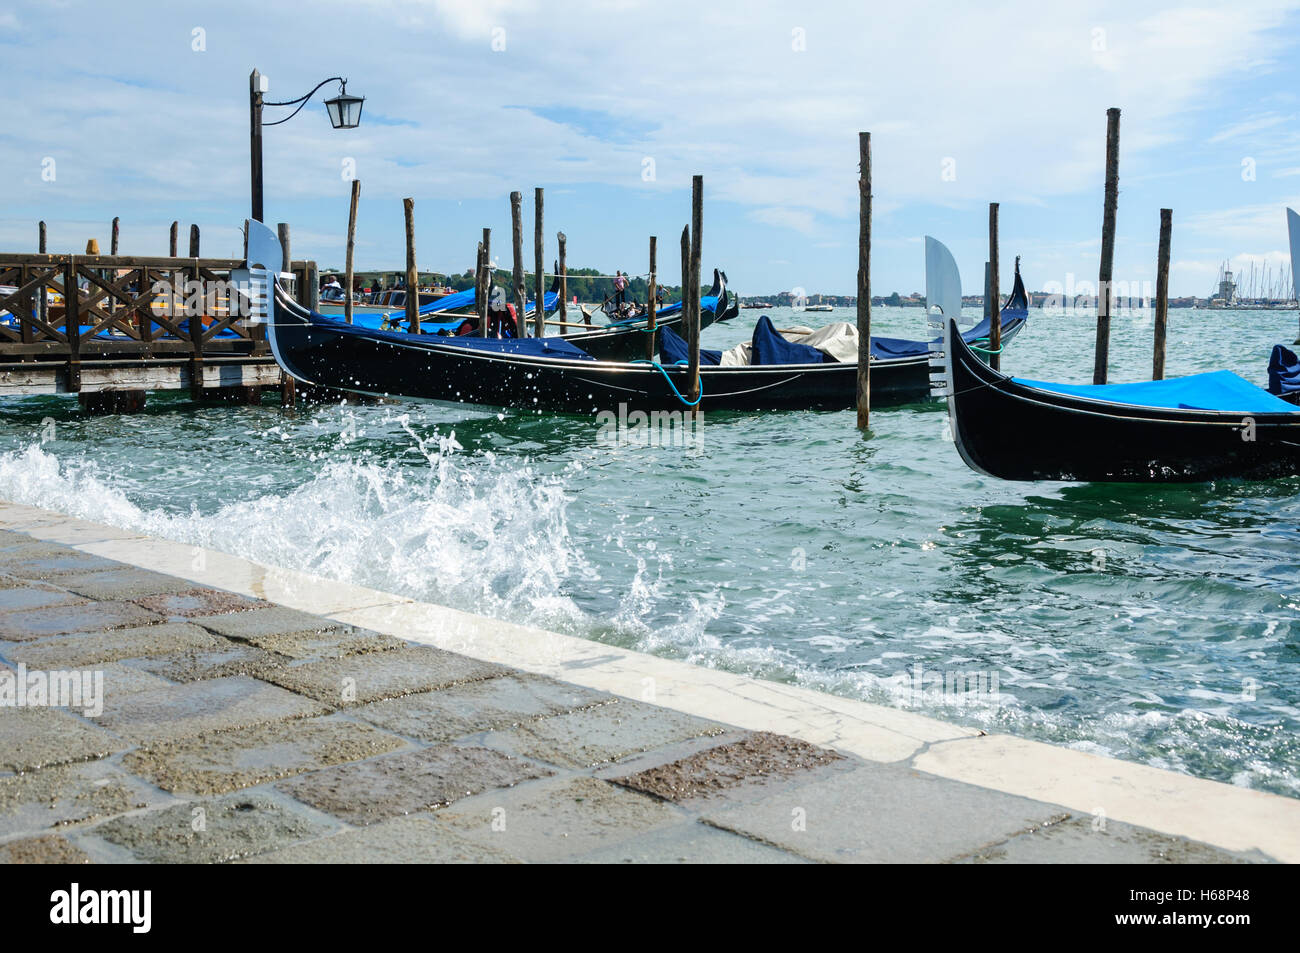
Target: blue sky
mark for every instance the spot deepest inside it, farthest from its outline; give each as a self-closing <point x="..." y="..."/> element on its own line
<point x="467" y="100"/>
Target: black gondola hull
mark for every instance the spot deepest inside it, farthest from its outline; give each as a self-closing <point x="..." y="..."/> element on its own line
<point x="1017" y="432"/>
<point x="428" y="368"/>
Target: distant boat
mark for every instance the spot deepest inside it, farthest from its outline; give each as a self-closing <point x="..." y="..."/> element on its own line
<point x="818" y="307"/>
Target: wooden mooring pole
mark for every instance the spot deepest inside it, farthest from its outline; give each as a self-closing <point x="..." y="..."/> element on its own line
<point x="651" y="304"/>
<point x="517" y="270"/>
<point x="412" y="276"/>
<point x="351" y="248"/>
<point x="686" y="284"/>
<point x="1162" y="294"/>
<point x="995" y="297"/>
<point x="483" y="287"/>
<point x="539" y="310"/>
<point x="42" y="295"/>
<point x="864" y="280"/>
<point x="697" y="229"/>
<point x="561" y="269"/>
<point x="479" y="267"/>
<point x="1105" y="274"/>
<point x="173" y="246"/>
<point x="117" y="229"/>
<point x="194" y="241"/>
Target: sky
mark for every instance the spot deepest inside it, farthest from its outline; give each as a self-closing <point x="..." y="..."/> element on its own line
<point x="140" y="110"/>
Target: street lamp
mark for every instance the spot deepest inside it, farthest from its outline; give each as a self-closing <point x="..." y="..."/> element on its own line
<point x="344" y="112"/>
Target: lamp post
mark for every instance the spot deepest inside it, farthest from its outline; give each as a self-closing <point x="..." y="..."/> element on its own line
<point x="344" y="111"/>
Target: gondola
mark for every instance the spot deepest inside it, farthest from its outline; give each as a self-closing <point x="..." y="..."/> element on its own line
<point x="1181" y="430"/>
<point x="553" y="373"/>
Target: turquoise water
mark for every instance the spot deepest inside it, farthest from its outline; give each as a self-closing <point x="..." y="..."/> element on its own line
<point x="1156" y="624"/>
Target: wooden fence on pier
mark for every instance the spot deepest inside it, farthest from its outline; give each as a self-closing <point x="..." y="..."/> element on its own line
<point x="87" y="323"/>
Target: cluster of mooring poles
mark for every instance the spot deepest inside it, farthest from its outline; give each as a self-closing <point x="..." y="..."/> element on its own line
<point x="483" y="272"/>
<point x="1105" y="297"/>
<point x="1105" y="292"/>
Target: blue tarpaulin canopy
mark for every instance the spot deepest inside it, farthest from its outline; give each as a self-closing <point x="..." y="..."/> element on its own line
<point x="707" y="303"/>
<point x="1217" y="390"/>
<point x="463" y="300"/>
<point x="531" y="347"/>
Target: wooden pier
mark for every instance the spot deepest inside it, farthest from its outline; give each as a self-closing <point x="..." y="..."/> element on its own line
<point x="108" y="324"/>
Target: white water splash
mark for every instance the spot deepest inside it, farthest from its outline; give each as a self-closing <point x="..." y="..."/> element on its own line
<point x="488" y="538"/>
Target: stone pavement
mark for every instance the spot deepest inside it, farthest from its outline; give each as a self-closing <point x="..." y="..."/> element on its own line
<point x="235" y="729"/>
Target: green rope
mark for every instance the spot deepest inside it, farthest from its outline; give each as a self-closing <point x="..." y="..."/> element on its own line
<point x="983" y="350"/>
<point x="660" y="368"/>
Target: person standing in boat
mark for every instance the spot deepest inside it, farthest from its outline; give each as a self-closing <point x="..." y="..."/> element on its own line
<point x="620" y="287"/>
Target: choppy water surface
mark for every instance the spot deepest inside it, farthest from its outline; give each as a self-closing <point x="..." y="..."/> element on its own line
<point x="1157" y="624"/>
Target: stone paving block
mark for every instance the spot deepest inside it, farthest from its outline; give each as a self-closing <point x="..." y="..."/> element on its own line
<point x="358" y="679"/>
<point x="8" y="538"/>
<point x="755" y="758"/>
<point x="225" y="659"/>
<point x="689" y="843"/>
<point x="364" y="792"/>
<point x="560" y="819"/>
<point x="297" y="634"/>
<point x="880" y="813"/>
<point x="34" y="595"/>
<point x="1075" y="841"/>
<point x="403" y="840"/>
<point x="594" y="736"/>
<point x="41" y="561"/>
<point x="32" y="624"/>
<point x="126" y="582"/>
<point x="47" y="849"/>
<point x="183" y="711"/>
<point x="216" y="764"/>
<point x="199" y="601"/>
<point x="485" y="705"/>
<point x="122" y="680"/>
<point x="67" y="794"/>
<point x="232" y="827"/>
<point x="78" y="651"/>
<point x="32" y="738"/>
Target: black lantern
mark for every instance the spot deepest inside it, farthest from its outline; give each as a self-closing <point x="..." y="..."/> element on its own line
<point x="345" y="110"/>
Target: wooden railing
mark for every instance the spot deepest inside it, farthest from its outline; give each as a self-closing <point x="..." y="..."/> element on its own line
<point x="75" y="308"/>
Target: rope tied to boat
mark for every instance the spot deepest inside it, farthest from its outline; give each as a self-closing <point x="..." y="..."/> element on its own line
<point x="662" y="370"/>
<point x="984" y="350"/>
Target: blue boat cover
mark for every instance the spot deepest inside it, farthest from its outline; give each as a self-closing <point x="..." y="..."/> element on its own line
<point x="707" y="303"/>
<point x="1217" y="390"/>
<point x="673" y="349"/>
<point x="775" y="349"/>
<point x="770" y="348"/>
<point x="373" y="321"/>
<point x="465" y="299"/>
<point x="885" y="348"/>
<point x="1283" y="371"/>
<point x="528" y="347"/>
